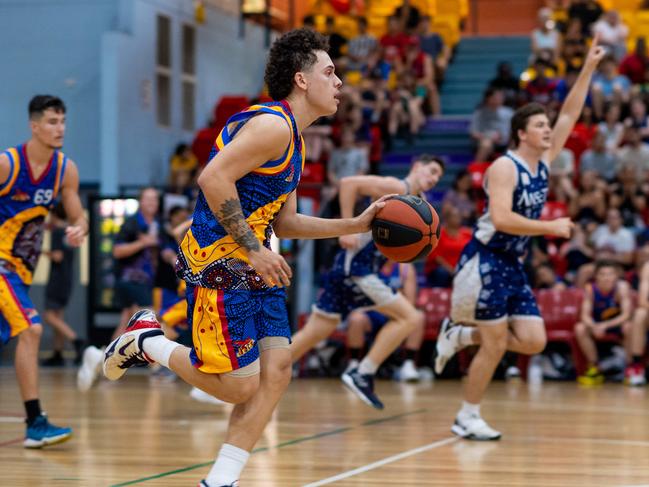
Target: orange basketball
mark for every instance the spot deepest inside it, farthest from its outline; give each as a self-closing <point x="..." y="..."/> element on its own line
<point x="406" y="228"/>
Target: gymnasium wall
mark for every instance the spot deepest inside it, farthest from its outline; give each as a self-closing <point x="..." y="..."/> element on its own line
<point x="100" y="57"/>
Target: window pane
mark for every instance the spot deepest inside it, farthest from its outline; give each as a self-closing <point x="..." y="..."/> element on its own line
<point x="188" y="49"/>
<point x="163" y="86"/>
<point x="164" y="41"/>
<point x="188" y="105"/>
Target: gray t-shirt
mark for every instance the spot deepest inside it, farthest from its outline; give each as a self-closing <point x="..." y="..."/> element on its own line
<point x="485" y="120"/>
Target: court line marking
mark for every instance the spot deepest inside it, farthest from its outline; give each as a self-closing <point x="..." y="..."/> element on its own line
<point x="385" y="461"/>
<point x="316" y="436"/>
<point x="12" y="419"/>
<point x="12" y="442"/>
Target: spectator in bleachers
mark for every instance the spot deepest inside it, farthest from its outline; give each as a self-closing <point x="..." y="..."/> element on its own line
<point x="638" y="117"/>
<point x="609" y="86"/>
<point x="135" y="251"/>
<point x="183" y="159"/>
<point x="641" y="90"/>
<point x="308" y="22"/>
<point x="441" y="262"/>
<point x="579" y="253"/>
<point x="612" y="33"/>
<point x="634" y="154"/>
<point x="587" y="11"/>
<point x="546" y="278"/>
<point x="408" y="15"/>
<point x="611" y="127"/>
<point x="573" y="48"/>
<point x="613" y="241"/>
<point x="394" y="41"/>
<point x="626" y="195"/>
<point x="541" y="88"/>
<point x="635" y="373"/>
<point x="507" y="83"/>
<point x="633" y="65"/>
<point x="564" y="85"/>
<point x="337" y="42"/>
<point x="545" y="37"/>
<point x="561" y="186"/>
<point x="317" y="139"/>
<point x="420" y="65"/>
<point x="459" y="196"/>
<point x="606" y="309"/>
<point x="433" y="45"/>
<point x="586" y="128"/>
<point x="361" y="47"/>
<point x="590" y="201"/>
<point x="598" y="159"/>
<point x="490" y="124"/>
<point x="406" y="107"/>
<point x="348" y="159"/>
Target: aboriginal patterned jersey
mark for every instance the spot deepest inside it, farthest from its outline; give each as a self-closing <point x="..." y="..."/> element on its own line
<point x="24" y="204"/>
<point x="208" y="256"/>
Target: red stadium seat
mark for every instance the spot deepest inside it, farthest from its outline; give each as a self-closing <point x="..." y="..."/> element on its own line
<point x="228" y="106"/>
<point x="436" y="305"/>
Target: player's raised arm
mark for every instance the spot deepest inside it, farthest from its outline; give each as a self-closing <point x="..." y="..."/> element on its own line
<point x="501" y="178"/>
<point x="574" y="103"/>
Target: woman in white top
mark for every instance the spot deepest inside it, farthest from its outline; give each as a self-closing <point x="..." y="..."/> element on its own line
<point x="545" y="38"/>
<point x="612" y="33"/>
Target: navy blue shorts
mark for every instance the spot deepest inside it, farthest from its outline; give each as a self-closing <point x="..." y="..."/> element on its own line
<point x="490" y="287"/>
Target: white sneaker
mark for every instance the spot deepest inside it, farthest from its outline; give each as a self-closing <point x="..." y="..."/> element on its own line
<point x="202" y="396"/>
<point x="448" y="344"/>
<point x="126" y="351"/>
<point x="512" y="372"/>
<point x="473" y="427"/>
<point x="351" y="365"/>
<point x="408" y="372"/>
<point x="89" y="369"/>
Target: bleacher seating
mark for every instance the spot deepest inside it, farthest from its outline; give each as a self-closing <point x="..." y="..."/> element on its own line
<point x="559" y="309"/>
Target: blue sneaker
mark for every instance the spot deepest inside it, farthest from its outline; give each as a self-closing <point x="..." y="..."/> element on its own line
<point x="43" y="433"/>
<point x="126" y="351"/>
<point x="362" y="386"/>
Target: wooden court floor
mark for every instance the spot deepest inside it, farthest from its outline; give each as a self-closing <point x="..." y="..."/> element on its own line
<point x="145" y="433"/>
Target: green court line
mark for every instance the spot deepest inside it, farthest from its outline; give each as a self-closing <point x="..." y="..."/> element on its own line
<point x="280" y="445"/>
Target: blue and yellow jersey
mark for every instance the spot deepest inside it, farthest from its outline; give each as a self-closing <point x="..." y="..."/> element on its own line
<point x="208" y="256"/>
<point x="24" y="204"/>
<point x="605" y="305"/>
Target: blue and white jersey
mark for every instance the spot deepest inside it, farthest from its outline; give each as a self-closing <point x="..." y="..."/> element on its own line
<point x="363" y="261"/>
<point x="530" y="194"/>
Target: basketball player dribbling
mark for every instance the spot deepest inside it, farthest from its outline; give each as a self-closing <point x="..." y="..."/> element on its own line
<point x="490" y="290"/>
<point x="32" y="177"/>
<point x="354" y="282"/>
<point x="236" y="298"/>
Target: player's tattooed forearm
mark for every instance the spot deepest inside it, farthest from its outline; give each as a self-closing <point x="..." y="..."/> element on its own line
<point x="230" y="216"/>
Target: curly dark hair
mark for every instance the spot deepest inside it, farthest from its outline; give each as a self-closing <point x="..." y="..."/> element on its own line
<point x="293" y="52"/>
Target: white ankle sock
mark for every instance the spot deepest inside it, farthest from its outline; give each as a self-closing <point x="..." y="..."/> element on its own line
<point x="159" y="349"/>
<point x="228" y="465"/>
<point x="466" y="336"/>
<point x="367" y="367"/>
<point x="470" y="409"/>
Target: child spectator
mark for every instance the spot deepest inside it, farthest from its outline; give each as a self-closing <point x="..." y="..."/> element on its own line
<point x="605" y="310"/>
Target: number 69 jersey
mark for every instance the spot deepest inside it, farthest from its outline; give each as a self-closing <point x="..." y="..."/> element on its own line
<point x="24" y="204"/>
